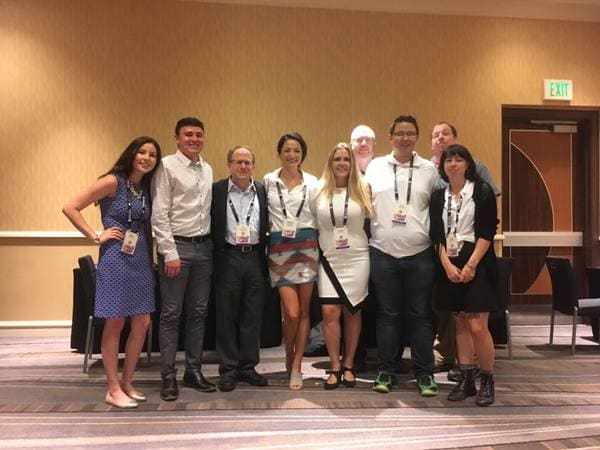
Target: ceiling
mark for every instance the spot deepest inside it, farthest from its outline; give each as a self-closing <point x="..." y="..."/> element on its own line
<point x="570" y="10"/>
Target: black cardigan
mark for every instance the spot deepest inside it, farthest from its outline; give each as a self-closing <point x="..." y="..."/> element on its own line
<point x="486" y="222"/>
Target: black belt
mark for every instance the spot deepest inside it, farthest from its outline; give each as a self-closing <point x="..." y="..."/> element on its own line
<point x="193" y="239"/>
<point x="242" y="248"/>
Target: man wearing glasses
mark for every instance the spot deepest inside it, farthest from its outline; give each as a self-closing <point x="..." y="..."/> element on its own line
<point x="239" y="218"/>
<point x="402" y="258"/>
<point x="181" y="195"/>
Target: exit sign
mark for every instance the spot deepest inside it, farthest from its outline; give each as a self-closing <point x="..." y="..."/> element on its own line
<point x="558" y="89"/>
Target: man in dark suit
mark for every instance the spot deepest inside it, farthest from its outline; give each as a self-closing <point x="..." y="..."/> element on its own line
<point x="239" y="227"/>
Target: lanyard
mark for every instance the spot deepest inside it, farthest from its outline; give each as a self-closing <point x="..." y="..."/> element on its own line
<point x="283" y="203"/>
<point x="235" y="214"/>
<point x="449" y="216"/>
<point x="345" y="210"/>
<point x="129" y="206"/>
<point x="410" y="177"/>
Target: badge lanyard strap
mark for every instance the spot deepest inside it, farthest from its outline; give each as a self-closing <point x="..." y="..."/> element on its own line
<point x="283" y="203"/>
<point x="449" y="216"/>
<point x="410" y="177"/>
<point x="235" y="214"/>
<point x="345" y="210"/>
<point x="129" y="207"/>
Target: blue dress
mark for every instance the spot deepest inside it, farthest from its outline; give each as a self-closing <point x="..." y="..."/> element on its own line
<point x="124" y="283"/>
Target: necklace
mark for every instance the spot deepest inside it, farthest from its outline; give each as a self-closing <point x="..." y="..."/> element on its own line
<point x="136" y="191"/>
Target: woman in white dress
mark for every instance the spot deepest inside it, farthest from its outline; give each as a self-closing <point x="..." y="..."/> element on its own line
<point x="293" y="248"/>
<point x="341" y="202"/>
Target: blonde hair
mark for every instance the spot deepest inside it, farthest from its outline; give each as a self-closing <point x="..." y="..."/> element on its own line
<point x="358" y="188"/>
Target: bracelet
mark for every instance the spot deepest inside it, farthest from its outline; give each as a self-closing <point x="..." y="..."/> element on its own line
<point x="97" y="239"/>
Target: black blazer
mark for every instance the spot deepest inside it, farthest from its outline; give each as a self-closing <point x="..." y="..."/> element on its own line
<point x="486" y="222"/>
<point x="218" y="225"/>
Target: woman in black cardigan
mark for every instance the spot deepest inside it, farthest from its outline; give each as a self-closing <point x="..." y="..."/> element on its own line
<point x="463" y="224"/>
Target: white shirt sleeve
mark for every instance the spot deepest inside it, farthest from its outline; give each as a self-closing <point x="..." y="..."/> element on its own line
<point x="161" y="223"/>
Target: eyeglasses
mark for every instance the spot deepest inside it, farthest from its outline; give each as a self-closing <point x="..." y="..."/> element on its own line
<point x="401" y="134"/>
<point x="240" y="163"/>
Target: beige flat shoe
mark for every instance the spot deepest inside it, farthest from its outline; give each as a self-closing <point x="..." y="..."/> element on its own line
<point x="295" y="381"/>
<point x="136" y="395"/>
<point x="127" y="404"/>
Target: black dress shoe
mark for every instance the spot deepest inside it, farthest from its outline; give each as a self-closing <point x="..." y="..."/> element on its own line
<point x="168" y="390"/>
<point x="454" y="374"/>
<point x="195" y="379"/>
<point x="253" y="377"/>
<point x="227" y="382"/>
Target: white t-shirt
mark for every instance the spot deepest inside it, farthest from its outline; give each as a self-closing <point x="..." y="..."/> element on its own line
<point x="397" y="239"/>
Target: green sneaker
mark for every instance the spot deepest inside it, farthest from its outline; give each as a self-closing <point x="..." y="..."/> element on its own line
<point x="383" y="383"/>
<point x="427" y="386"/>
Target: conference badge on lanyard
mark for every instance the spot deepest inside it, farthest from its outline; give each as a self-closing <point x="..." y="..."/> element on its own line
<point x="290" y="225"/>
<point x="400" y="214"/>
<point x="130" y="242"/>
<point x="242" y="233"/>
<point x="452" y="245"/>
<point x="340" y="235"/>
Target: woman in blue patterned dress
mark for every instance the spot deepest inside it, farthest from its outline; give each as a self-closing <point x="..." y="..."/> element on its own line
<point x="124" y="277"/>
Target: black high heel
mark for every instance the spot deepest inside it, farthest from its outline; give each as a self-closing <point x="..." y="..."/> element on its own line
<point x="338" y="376"/>
<point x="348" y="383"/>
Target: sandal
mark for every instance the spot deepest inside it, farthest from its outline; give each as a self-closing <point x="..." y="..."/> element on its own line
<point x="296" y="381"/>
<point x="338" y="376"/>
<point x="348" y="383"/>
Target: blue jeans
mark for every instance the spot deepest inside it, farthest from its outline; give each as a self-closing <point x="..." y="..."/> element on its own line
<point x="404" y="288"/>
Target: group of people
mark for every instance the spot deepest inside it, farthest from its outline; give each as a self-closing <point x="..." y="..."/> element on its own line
<point x="427" y="242"/>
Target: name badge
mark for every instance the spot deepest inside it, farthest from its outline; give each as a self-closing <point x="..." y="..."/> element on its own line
<point x="242" y="234"/>
<point x="400" y="214"/>
<point x="452" y="245"/>
<point x="289" y="228"/>
<point x="130" y="242"/>
<point x="340" y="235"/>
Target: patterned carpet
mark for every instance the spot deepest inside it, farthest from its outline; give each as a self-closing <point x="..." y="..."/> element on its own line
<point x="545" y="399"/>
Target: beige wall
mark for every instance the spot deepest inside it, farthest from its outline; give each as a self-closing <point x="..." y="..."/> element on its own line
<point x="80" y="78"/>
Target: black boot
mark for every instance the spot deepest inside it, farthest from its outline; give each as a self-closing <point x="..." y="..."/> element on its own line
<point x="486" y="390"/>
<point x="464" y="388"/>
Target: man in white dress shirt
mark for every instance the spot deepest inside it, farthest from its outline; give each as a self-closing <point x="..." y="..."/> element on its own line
<point x="182" y="194"/>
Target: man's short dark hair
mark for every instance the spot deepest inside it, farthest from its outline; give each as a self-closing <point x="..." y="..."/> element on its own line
<point x="400" y="119"/>
<point x="188" y="122"/>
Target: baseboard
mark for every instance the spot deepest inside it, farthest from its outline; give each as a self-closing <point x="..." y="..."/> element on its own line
<point x="35" y="324"/>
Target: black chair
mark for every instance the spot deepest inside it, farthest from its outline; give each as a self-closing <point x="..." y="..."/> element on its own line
<point x="499" y="320"/>
<point x="564" y="296"/>
<point x="87" y="271"/>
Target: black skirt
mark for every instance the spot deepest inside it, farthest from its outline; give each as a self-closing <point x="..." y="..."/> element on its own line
<point x="478" y="295"/>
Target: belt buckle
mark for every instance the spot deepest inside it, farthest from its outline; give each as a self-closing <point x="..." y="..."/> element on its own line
<point x="246" y="248"/>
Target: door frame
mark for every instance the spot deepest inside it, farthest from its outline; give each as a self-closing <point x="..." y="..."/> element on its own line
<point x="587" y="119"/>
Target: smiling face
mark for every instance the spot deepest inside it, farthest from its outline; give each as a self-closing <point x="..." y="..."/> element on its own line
<point x="190" y="141"/>
<point x="241" y="167"/>
<point x="145" y="160"/>
<point x="340" y="166"/>
<point x="404" y="137"/>
<point x="291" y="154"/>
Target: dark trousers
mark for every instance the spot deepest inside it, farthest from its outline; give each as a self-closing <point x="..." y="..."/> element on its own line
<point x="190" y="290"/>
<point x="404" y="289"/>
<point x="446" y="334"/>
<point x="240" y="292"/>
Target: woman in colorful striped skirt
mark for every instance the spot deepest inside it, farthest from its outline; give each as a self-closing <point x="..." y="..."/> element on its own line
<point x="293" y="248"/>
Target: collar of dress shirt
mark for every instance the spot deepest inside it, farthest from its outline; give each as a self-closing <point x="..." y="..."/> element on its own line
<point x="187" y="161"/>
<point x="232" y="186"/>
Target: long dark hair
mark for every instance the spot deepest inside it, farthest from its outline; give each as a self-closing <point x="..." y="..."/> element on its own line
<point x="462" y="152"/>
<point x="124" y="164"/>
